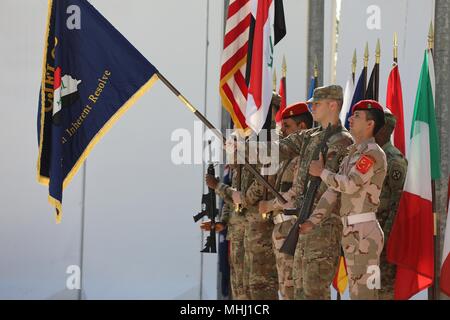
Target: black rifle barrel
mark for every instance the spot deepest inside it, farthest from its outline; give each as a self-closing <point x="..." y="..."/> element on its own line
<point x="290" y="243"/>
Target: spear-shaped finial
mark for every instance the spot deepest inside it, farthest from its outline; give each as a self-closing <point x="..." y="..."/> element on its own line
<point x="366" y="55"/>
<point x="274" y="79"/>
<point x="316" y="68"/>
<point x="378" y="52"/>
<point x="354" y="61"/>
<point x="431" y="37"/>
<point x="284" y="67"/>
<point x="395" y="47"/>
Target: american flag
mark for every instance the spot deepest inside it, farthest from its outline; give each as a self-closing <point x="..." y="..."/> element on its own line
<point x="233" y="85"/>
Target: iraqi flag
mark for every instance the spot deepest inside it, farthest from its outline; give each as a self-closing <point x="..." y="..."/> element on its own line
<point x="260" y="86"/>
<point x="65" y="94"/>
<point x="394" y="102"/>
<point x="410" y="245"/>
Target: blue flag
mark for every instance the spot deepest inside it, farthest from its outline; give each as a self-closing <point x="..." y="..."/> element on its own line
<point x="357" y="97"/>
<point x="91" y="76"/>
<point x="312" y="87"/>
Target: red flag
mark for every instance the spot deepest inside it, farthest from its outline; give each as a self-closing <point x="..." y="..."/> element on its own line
<point x="394" y="102"/>
<point x="260" y="87"/>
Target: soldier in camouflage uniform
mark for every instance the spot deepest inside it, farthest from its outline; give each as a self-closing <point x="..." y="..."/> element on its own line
<point x="233" y="218"/>
<point x="259" y="269"/>
<point x="389" y="200"/>
<point x="316" y="255"/>
<point x="356" y="190"/>
<point x="295" y="118"/>
<point x="259" y="275"/>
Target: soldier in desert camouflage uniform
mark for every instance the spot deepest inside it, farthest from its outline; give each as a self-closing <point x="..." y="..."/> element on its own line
<point x="259" y="271"/>
<point x="356" y="190"/>
<point x="389" y="200"/>
<point x="295" y="118"/>
<point x="316" y="255"/>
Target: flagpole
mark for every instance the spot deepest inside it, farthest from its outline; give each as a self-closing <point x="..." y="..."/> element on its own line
<point x="377" y="71"/>
<point x="219" y="135"/>
<point x="395" y="48"/>
<point x="316" y="83"/>
<point x="83" y="212"/>
<point x="354" y="62"/>
<point x="366" y="65"/>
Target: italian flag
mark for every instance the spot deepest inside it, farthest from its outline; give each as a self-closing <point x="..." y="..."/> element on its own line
<point x="410" y="245"/>
<point x="260" y="87"/>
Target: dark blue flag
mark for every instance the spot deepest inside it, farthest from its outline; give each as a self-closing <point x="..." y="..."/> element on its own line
<point x="357" y="97"/>
<point x="91" y="76"/>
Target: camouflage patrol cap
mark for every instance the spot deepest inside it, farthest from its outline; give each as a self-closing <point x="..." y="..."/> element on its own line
<point x="390" y="119"/>
<point x="333" y="92"/>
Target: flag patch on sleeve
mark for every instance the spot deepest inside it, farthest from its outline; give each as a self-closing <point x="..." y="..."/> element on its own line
<point x="364" y="164"/>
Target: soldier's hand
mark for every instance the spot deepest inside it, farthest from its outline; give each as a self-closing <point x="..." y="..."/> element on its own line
<point x="236" y="196"/>
<point x="316" y="167"/>
<point x="206" y="226"/>
<point x="306" y="227"/>
<point x="211" y="181"/>
<point x="265" y="207"/>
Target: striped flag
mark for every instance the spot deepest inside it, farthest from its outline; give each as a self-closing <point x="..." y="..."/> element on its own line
<point x="269" y="29"/>
<point x="233" y="85"/>
<point x="410" y="245"/>
<point x="340" y="280"/>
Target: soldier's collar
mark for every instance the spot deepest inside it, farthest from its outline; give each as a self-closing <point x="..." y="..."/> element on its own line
<point x="363" y="145"/>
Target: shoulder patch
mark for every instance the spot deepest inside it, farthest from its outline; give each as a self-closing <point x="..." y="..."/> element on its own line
<point x="396" y="175"/>
<point x="364" y="164"/>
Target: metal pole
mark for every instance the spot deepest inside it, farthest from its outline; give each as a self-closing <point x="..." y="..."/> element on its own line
<point x="83" y="212"/>
<point x="442" y="70"/>
<point x="315" y="49"/>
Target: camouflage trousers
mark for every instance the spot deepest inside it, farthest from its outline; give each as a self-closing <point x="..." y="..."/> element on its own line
<point x="260" y="274"/>
<point x="237" y="269"/>
<point x="284" y="261"/>
<point x="316" y="260"/>
<point x="235" y="236"/>
<point x="388" y="272"/>
<point x="362" y="244"/>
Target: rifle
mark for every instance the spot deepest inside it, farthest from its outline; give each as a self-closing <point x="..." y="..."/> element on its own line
<point x="312" y="185"/>
<point x="209" y="210"/>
